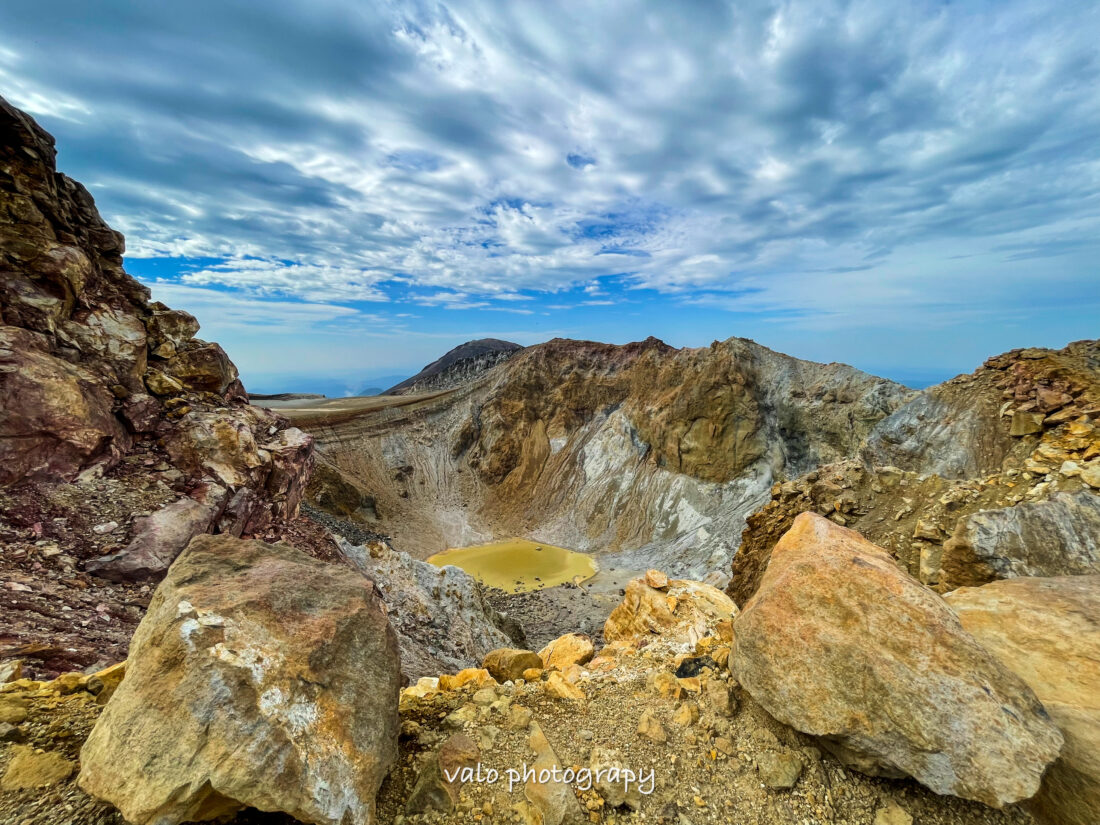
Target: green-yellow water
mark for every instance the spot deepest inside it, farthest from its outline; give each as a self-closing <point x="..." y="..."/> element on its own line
<point x="518" y="564"/>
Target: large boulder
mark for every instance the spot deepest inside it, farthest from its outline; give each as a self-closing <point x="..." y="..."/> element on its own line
<point x="1056" y="537"/>
<point x="684" y="610"/>
<point x="840" y="643"/>
<point x="1047" y="630"/>
<point x="259" y="677"/>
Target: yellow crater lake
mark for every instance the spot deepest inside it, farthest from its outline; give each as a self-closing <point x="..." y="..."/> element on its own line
<point x="518" y="564"/>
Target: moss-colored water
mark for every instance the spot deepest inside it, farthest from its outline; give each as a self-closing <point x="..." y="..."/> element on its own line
<point x="518" y="564"/>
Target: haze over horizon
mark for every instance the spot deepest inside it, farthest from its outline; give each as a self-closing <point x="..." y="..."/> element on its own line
<point x="345" y="191"/>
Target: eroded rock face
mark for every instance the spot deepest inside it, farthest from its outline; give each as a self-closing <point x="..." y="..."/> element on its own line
<point x="443" y="622"/>
<point x="259" y="677"/>
<point x="89" y="366"/>
<point x="1059" y="536"/>
<point x="839" y="643"/>
<point x="1047" y="630"/>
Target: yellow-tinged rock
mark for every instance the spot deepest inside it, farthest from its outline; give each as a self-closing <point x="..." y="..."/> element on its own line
<point x="687" y="611"/>
<point x="506" y="664"/>
<point x="532" y="674"/>
<point x="691" y="683"/>
<point x="570" y="649"/>
<point x="839" y="642"/>
<point x="30" y="769"/>
<point x="557" y="686"/>
<point x="103" y="684"/>
<point x="686" y="715"/>
<point x="477" y="676"/>
<point x="656" y="579"/>
<point x="425" y="686"/>
<point x="1047" y="630"/>
<point x="666" y="684"/>
<point x="651" y="728"/>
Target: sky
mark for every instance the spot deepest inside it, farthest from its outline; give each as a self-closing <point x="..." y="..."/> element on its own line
<point x="342" y="190"/>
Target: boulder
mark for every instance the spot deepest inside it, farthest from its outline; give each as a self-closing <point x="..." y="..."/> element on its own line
<point x="507" y="664"/>
<point x="440" y="780"/>
<point x="160" y="538"/>
<point x="202" y="367"/>
<point x="1047" y="630"/>
<point x="1056" y="537"/>
<point x="686" y="611"/>
<point x="258" y="677"/>
<point x="570" y="649"/>
<point x="840" y="643"/>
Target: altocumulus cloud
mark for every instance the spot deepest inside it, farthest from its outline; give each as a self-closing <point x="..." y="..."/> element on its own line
<point x="830" y="162"/>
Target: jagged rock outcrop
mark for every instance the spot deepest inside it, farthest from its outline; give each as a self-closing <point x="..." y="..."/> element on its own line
<point x="442" y="620"/>
<point x="458" y="366"/>
<point x="958" y="508"/>
<point x="1047" y="630"/>
<point x="839" y="643"/>
<point x="98" y="382"/>
<point x="259" y="677"/>
<point x="652" y="454"/>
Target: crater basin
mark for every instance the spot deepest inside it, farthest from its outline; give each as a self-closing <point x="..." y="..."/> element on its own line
<point x="518" y="565"/>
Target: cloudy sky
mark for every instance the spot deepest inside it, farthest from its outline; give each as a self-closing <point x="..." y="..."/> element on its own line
<point x="349" y="188"/>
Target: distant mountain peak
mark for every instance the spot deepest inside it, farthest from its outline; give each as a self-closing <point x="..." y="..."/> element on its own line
<point x="459" y="365"/>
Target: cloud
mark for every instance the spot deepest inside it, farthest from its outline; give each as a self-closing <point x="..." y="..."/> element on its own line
<point x="768" y="157"/>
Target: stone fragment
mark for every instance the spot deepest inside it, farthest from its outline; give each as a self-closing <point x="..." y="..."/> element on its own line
<point x="656" y="579"/>
<point x="477" y="676"/>
<point x="57" y="416"/>
<point x="28" y="768"/>
<point x="607" y="766"/>
<point x="10" y="733"/>
<point x="519" y="717"/>
<point x="839" y="643"/>
<point x="651" y="728"/>
<point x="251" y="655"/>
<point x="1047" y="630"/>
<point x="13" y="710"/>
<point x="559" y="687"/>
<point x="1025" y="423"/>
<point x="438" y="785"/>
<point x="554" y="800"/>
<point x="11" y="670"/>
<point x="892" y="813"/>
<point x="570" y="649"/>
<point x="686" y="715"/>
<point x="779" y="770"/>
<point x="1056" y="537"/>
<point x="506" y="664"/>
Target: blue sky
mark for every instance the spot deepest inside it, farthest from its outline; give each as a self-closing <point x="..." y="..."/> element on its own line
<point x="347" y="189"/>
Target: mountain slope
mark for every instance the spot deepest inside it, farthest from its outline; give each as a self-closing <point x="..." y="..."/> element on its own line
<point x="462" y="364"/>
<point x="640" y="448"/>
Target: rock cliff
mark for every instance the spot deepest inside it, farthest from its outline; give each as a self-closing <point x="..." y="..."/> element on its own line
<point x="459" y="366"/>
<point x="987" y="476"/>
<point x="122" y="435"/>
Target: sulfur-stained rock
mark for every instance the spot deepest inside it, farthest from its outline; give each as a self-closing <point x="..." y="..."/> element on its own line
<point x="476" y="676"/>
<point x="839" y="643"/>
<point x="570" y="649"/>
<point x="687" y="610"/>
<point x="508" y="663"/>
<point x="250" y="656"/>
<point x="1047" y="630"/>
<point x="30" y="769"/>
<point x="559" y="687"/>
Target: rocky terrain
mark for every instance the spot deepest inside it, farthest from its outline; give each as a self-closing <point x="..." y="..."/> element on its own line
<point x="207" y="614"/>
<point x="458" y="366"/>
